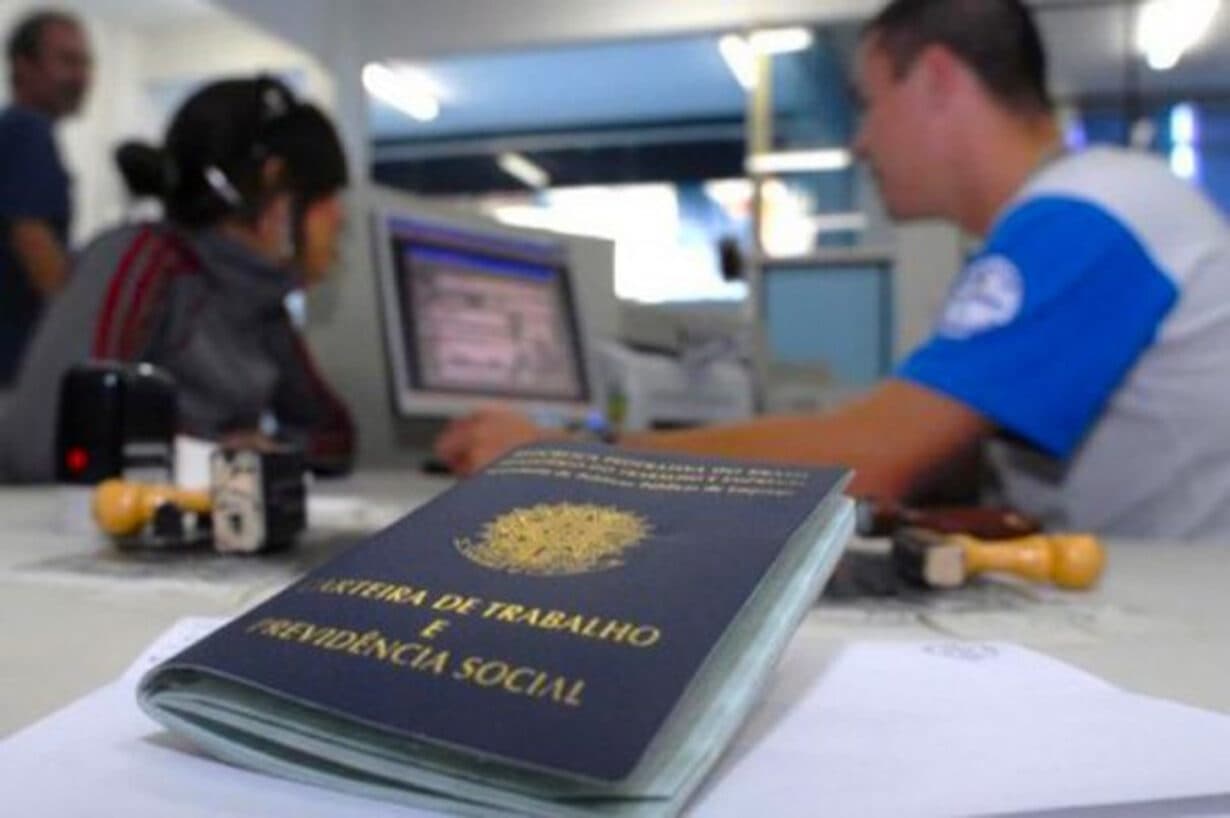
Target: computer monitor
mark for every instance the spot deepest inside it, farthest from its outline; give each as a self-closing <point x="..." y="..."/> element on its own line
<point x="835" y="312"/>
<point x="475" y="315"/>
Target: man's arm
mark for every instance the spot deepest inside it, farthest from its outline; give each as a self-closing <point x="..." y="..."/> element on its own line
<point x="33" y="201"/>
<point x="896" y="438"/>
<point x="40" y="255"/>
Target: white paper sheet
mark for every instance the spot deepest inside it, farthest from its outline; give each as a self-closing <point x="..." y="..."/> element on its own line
<point x="101" y="756"/>
<point x="959" y="728"/>
<point x="885" y="729"/>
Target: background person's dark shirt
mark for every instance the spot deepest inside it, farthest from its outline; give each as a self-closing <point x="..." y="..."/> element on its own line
<point x="33" y="185"/>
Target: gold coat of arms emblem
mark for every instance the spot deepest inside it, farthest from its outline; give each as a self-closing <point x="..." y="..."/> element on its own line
<point x="554" y="539"/>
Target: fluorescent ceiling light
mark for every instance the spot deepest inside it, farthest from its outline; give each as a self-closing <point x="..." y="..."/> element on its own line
<point x="780" y="40"/>
<point x="1183" y="127"/>
<point x="740" y="59"/>
<point x="522" y="169"/>
<point x="1184" y="162"/>
<point x="404" y="88"/>
<point x="826" y="159"/>
<point x="1166" y="29"/>
<point x="729" y="192"/>
<point x="776" y="192"/>
<point x="740" y="53"/>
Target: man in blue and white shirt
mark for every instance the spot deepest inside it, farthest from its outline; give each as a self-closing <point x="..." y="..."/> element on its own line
<point x="1094" y="329"/>
<point x="1089" y="339"/>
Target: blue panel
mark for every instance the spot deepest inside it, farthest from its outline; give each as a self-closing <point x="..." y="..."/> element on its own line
<point x="551" y="88"/>
<point x="1215" y="177"/>
<point x="839" y="316"/>
<point x="1213" y="139"/>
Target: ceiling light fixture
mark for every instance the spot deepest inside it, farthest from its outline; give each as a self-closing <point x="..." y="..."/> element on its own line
<point x="740" y="53"/>
<point x="1184" y="162"/>
<point x="403" y="88"/>
<point x="1184" y="136"/>
<point x="523" y="170"/>
<point x="1183" y="127"/>
<point x="780" y="40"/>
<point x="740" y="59"/>
<point x="1167" y="29"/>
<point x="826" y="159"/>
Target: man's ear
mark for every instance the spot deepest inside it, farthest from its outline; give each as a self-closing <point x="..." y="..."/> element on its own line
<point x="941" y="76"/>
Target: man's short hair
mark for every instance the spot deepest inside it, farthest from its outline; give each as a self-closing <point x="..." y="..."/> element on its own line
<point x="26" y="38"/>
<point x="997" y="39"/>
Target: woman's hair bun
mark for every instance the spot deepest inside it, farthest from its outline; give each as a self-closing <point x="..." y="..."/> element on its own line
<point x="147" y="171"/>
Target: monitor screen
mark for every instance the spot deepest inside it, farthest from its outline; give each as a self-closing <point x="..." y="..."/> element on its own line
<point x="838" y="315"/>
<point x="480" y="316"/>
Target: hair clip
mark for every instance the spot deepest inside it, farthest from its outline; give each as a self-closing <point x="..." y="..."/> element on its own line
<point x="222" y="186"/>
<point x="274" y="103"/>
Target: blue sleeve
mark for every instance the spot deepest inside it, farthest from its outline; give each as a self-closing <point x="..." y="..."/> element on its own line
<point x="1046" y="322"/>
<point x="31" y="177"/>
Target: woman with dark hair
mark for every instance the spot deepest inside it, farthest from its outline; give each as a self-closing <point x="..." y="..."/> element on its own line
<point x="250" y="180"/>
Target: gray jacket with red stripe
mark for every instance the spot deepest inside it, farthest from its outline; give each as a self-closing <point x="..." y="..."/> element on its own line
<point x="201" y="306"/>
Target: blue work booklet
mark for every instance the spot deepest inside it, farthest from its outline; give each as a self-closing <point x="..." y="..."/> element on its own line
<point x="577" y="630"/>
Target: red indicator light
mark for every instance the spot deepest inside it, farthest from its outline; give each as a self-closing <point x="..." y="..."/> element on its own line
<point x="77" y="460"/>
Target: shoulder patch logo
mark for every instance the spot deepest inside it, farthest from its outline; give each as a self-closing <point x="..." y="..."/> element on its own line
<point x="989" y="295"/>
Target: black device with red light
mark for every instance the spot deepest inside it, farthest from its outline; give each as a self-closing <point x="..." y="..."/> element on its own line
<point x="115" y="419"/>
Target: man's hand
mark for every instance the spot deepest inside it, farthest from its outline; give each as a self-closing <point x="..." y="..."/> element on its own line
<point x="469" y="443"/>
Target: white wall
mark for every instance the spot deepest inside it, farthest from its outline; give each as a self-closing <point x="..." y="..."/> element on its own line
<point x="929" y="254"/>
<point x="228" y="46"/>
<point x="113" y="112"/>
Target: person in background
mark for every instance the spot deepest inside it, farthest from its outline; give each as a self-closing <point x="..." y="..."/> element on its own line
<point x="50" y="68"/>
<point x="250" y="179"/>
<point x="1088" y="340"/>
